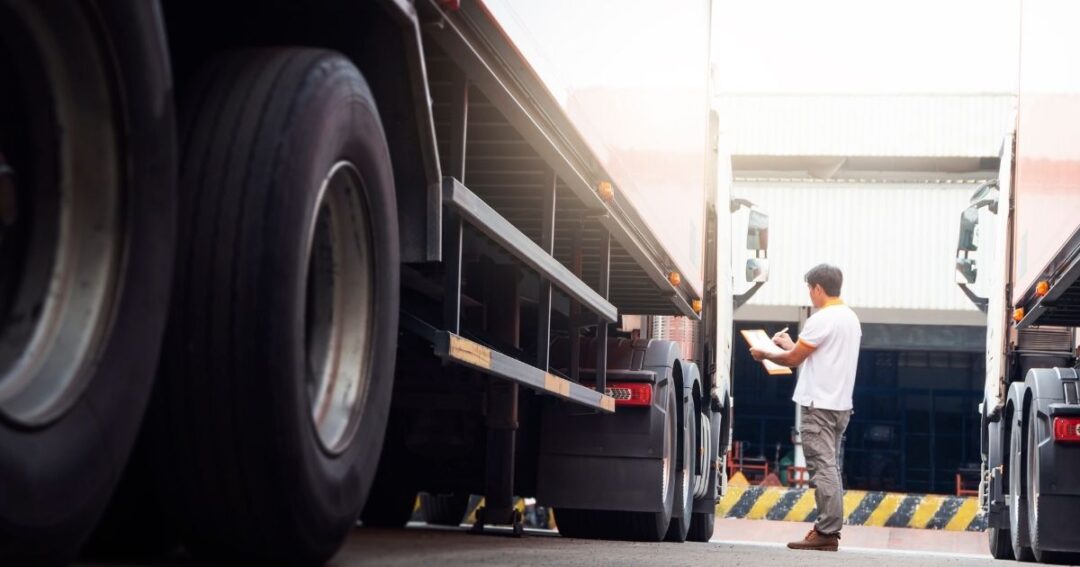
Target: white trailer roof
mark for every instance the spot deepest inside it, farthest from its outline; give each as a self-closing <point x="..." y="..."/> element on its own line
<point x="916" y="125"/>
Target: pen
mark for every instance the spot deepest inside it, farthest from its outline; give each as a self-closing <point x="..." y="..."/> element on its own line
<point x="784" y="330"/>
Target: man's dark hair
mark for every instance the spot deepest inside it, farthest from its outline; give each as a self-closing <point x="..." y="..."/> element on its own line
<point x="830" y="278"/>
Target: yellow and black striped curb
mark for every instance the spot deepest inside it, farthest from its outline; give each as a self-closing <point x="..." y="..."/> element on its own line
<point x="477" y="502"/>
<point x="861" y="508"/>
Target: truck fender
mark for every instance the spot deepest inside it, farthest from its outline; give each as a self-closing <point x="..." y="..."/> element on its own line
<point x="1047" y="383"/>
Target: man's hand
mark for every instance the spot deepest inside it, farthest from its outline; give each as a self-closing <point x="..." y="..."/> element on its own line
<point x="757" y="353"/>
<point x="783" y="340"/>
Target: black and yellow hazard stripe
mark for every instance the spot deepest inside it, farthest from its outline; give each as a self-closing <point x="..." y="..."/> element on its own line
<point x="861" y="508"/>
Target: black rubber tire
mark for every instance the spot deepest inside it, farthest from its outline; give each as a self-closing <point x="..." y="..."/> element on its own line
<point x="702" y="527"/>
<point x="1000" y="543"/>
<point x="683" y="505"/>
<point x="632" y="526"/>
<point x="1018" y="514"/>
<point x="444" y="509"/>
<point x="252" y="481"/>
<point x="1034" y="521"/>
<point x="56" y="479"/>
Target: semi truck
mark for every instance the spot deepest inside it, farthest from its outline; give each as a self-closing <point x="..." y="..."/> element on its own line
<point x="268" y="268"/>
<point x="1018" y="258"/>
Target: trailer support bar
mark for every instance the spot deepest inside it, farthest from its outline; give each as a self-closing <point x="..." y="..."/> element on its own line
<point x="478" y="213"/>
<point x="454" y="347"/>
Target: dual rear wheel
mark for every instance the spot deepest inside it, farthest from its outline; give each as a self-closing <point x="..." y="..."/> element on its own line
<point x="278" y="250"/>
<point x="275" y="379"/>
<point x="1025" y="522"/>
<point x="681" y="479"/>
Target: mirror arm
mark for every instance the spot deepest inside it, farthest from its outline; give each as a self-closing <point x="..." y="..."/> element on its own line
<point x="742" y="298"/>
<point x="981" y="302"/>
<point x="738" y="203"/>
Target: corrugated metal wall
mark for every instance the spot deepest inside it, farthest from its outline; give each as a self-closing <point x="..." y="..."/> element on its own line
<point x="894" y="242"/>
<point x="932" y="125"/>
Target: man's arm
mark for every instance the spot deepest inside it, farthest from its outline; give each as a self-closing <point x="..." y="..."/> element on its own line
<point x="789" y="357"/>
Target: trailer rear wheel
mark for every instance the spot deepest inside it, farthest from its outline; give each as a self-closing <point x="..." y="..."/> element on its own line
<point x="1032" y="511"/>
<point x="702" y="527"/>
<point x="1000" y="543"/>
<point x="278" y="364"/>
<point x="635" y="526"/>
<point x="683" y="505"/>
<point x="87" y="229"/>
<point x="1018" y="517"/>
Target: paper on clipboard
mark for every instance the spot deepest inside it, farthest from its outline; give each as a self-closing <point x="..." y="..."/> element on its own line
<point x="759" y="339"/>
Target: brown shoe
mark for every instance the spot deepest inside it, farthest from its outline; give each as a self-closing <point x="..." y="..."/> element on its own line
<point x="817" y="541"/>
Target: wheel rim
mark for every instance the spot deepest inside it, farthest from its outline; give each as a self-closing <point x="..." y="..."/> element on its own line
<point x="62" y="210"/>
<point x="339" y="307"/>
<point x="704" y="447"/>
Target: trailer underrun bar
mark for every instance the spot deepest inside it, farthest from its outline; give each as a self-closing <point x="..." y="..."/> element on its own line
<point x="479" y="357"/>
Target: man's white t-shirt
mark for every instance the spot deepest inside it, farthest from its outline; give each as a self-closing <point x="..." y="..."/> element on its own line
<point x="827" y="376"/>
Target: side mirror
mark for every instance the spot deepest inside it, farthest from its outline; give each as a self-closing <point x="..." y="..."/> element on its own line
<point x="969" y="230"/>
<point x="757" y="270"/>
<point x="966" y="271"/>
<point x="757" y="231"/>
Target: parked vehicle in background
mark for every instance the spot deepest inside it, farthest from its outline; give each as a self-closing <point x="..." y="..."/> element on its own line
<point x="1020" y="237"/>
<point x="268" y="267"/>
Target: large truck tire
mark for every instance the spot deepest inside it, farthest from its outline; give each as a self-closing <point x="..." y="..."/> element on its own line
<point x="634" y="526"/>
<point x="1037" y="523"/>
<point x="686" y="451"/>
<point x="1000" y="543"/>
<point x="702" y="526"/>
<point x="444" y="509"/>
<point x="1018" y="518"/>
<point x="278" y="363"/>
<point x="1031" y="470"/>
<point x="87" y="235"/>
<point x="703" y="522"/>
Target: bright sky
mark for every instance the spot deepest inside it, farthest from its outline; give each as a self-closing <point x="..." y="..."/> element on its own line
<point x="780" y="46"/>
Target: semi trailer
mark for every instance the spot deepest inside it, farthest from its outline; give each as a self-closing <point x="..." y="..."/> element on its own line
<point x="1020" y="242"/>
<point x="268" y="268"/>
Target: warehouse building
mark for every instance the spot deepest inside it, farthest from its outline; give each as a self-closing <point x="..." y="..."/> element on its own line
<point x="873" y="184"/>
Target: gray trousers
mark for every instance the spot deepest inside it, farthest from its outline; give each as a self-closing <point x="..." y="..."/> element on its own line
<point x="822" y="431"/>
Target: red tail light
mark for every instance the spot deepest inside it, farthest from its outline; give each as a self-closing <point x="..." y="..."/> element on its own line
<point x="630" y="393"/>
<point x="1066" y="429"/>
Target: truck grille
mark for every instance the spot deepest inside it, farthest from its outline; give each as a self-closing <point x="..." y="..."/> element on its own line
<point x="1046" y="339"/>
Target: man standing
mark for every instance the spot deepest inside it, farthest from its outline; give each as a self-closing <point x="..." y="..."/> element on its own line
<point x="828" y="350"/>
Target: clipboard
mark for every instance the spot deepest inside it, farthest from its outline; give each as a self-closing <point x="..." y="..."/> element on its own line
<point x="757" y="338"/>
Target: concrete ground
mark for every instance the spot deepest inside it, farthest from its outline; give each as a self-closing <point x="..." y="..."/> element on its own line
<point x="759" y="543"/>
<point x="861" y="537"/>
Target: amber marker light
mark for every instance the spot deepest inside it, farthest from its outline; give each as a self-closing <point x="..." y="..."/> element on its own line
<point x="674" y="278"/>
<point x="606" y="191"/>
<point x="1042" y="288"/>
<point x="696" y="305"/>
<point x="1018" y="314"/>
